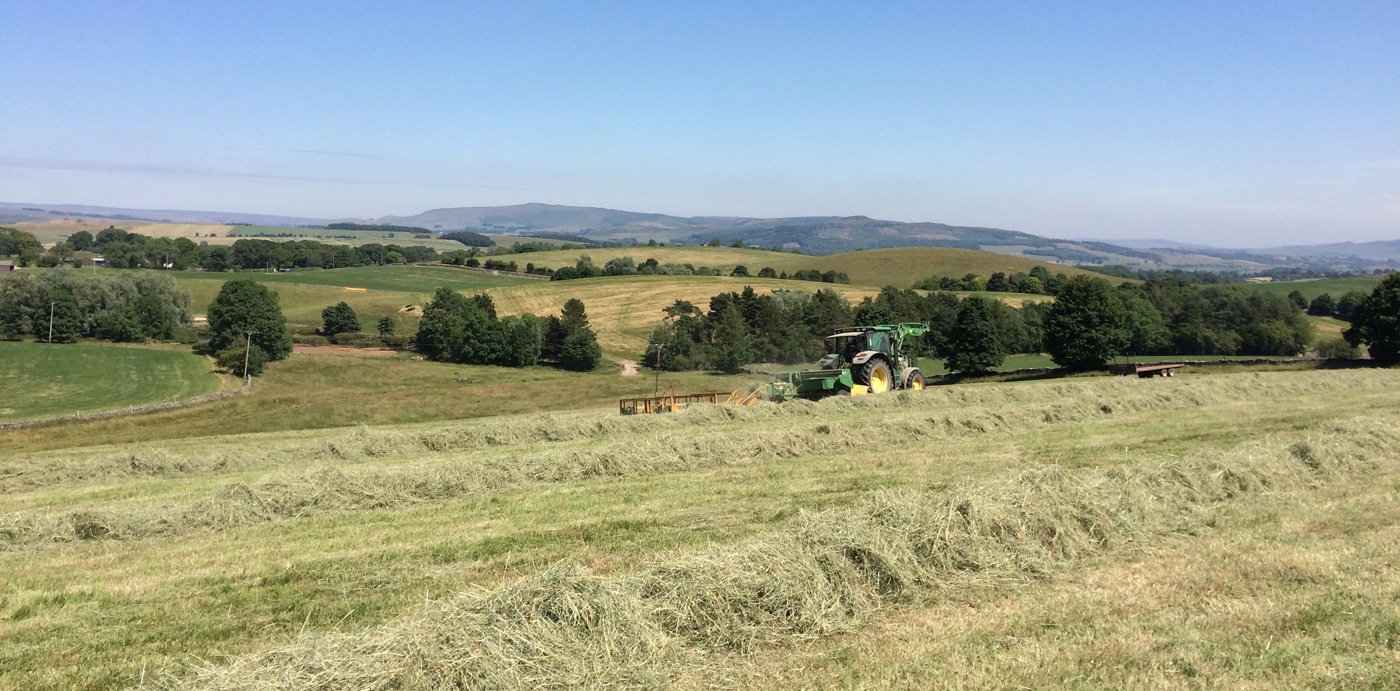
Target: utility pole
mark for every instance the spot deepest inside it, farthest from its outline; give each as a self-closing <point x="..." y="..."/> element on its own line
<point x="247" y="350"/>
<point x="656" y="391"/>
<point x="51" y="304"/>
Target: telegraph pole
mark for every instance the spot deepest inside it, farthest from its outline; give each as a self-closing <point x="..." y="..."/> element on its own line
<point x="656" y="391"/>
<point x="247" y="350"/>
<point x="51" y="304"/>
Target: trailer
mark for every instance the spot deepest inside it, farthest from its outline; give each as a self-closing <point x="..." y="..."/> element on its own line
<point x="1161" y="369"/>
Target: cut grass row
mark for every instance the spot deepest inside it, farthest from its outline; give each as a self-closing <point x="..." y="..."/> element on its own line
<point x="45" y="380"/>
<point x="208" y="595"/>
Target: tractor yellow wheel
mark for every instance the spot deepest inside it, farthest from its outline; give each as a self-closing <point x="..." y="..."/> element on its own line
<point x="916" y="380"/>
<point x="878" y="376"/>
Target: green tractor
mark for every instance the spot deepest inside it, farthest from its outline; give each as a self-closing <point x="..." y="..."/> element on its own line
<point x="861" y="360"/>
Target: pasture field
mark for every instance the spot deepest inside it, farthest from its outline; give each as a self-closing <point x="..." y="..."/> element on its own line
<point x="624" y="309"/>
<point x="1312" y="288"/>
<point x="302" y="303"/>
<point x="415" y="278"/>
<point x="1211" y="530"/>
<point x="323" y="391"/>
<point x="901" y="268"/>
<point x="44" y="380"/>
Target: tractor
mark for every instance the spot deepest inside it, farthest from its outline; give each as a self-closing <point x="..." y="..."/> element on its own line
<point x="861" y="360"/>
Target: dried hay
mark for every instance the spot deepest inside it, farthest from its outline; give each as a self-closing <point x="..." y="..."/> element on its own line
<point x="496" y="455"/>
<point x="828" y="572"/>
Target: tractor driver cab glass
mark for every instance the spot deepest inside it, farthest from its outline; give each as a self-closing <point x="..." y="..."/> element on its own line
<point x="877" y="340"/>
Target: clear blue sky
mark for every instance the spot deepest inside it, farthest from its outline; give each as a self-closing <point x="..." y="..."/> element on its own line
<point x="1231" y="123"/>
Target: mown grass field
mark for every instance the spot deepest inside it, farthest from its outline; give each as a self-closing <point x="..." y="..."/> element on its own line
<point x="1204" y="531"/>
<point x="45" y="380"/>
<point x="323" y="391"/>
<point x="624" y="309"/>
<point x="902" y="267"/>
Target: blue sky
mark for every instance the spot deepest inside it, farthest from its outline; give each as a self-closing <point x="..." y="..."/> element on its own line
<point x="1233" y="124"/>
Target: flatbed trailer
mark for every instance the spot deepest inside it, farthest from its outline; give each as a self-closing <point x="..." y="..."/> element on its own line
<point x="1162" y="369"/>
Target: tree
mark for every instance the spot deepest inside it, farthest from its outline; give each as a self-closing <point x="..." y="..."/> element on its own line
<point x="580" y="352"/>
<point x="244" y="305"/>
<point x="1087" y="324"/>
<point x="386" y="326"/>
<point x="81" y="241"/>
<point x="973" y="346"/>
<point x="1297" y="299"/>
<point x="574" y="317"/>
<point x="998" y="283"/>
<point x="714" y="242"/>
<point x="1322" y="306"/>
<point x="524" y="338"/>
<point x="731" y="348"/>
<point x="1346" y="305"/>
<point x="1375" y="322"/>
<point x="239" y="355"/>
<point x="740" y="270"/>
<point x="338" y="319"/>
<point x="62" y="322"/>
<point x="1146" y="332"/>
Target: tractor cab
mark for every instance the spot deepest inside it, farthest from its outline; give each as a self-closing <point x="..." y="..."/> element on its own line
<point x="854" y="347"/>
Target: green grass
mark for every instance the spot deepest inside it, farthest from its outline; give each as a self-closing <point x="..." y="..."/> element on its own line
<point x="1310" y="289"/>
<point x="405" y="279"/>
<point x="323" y="391"/>
<point x="1277" y="589"/>
<point x="44" y="380"/>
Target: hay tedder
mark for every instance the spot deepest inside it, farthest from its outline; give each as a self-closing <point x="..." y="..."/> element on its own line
<point x="861" y="360"/>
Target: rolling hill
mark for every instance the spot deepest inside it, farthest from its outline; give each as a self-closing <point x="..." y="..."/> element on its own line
<point x="812" y="234"/>
<point x="901" y="267"/>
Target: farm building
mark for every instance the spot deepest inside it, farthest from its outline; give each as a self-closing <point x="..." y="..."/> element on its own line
<point x="6" y="266"/>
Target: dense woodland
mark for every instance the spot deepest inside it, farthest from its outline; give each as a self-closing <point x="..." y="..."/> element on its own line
<point x="115" y="306"/>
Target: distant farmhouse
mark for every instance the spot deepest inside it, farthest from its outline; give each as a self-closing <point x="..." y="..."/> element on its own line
<point x="6" y="266"/>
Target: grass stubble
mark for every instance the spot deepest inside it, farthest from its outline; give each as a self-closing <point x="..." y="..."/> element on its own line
<point x="803" y="604"/>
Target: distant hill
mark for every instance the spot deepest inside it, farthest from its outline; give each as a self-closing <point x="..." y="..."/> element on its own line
<point x="812" y="234"/>
<point x="1380" y="250"/>
<point x="38" y="213"/>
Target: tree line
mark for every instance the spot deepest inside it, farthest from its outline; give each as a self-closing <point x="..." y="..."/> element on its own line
<point x="110" y="306"/>
<point x="1089" y="323"/>
<point x="121" y="249"/>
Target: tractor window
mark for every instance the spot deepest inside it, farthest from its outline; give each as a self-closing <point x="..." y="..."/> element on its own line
<point x="878" y="340"/>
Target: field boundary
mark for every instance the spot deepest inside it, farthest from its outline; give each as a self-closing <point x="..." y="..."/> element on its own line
<point x="493" y="272"/>
<point x="133" y="410"/>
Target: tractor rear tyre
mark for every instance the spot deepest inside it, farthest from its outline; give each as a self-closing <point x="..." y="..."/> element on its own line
<point x="875" y="375"/>
<point x="915" y="381"/>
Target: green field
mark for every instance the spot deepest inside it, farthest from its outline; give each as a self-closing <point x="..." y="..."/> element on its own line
<point x="322" y="391"/>
<point x="45" y="380"/>
<point x="1214" y="530"/>
<point x="1310" y="289"/>
<point x="408" y="279"/>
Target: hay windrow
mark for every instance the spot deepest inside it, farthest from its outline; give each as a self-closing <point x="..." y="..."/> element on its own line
<point x="827" y="572"/>
<point x="1020" y="405"/>
<point x="610" y="447"/>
